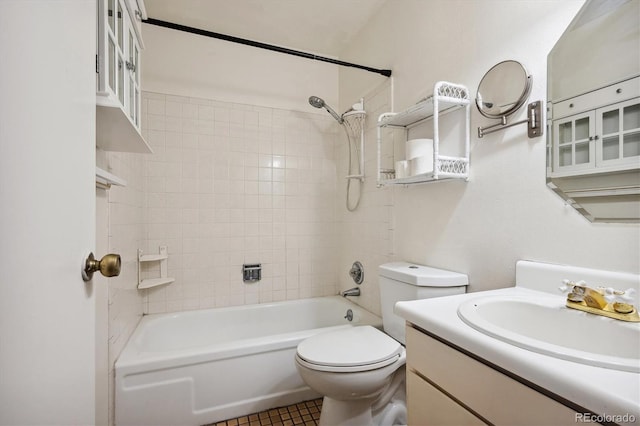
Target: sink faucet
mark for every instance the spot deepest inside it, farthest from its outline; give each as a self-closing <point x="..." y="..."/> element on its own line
<point x="601" y="301"/>
<point x="591" y="297"/>
<point x="351" y="292"/>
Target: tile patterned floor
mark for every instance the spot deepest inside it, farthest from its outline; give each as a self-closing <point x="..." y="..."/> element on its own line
<point x="304" y="413"/>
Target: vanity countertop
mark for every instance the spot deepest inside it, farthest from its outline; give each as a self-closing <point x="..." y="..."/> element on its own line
<point x="604" y="391"/>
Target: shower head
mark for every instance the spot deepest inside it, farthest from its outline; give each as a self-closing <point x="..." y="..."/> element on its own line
<point x="317" y="102"/>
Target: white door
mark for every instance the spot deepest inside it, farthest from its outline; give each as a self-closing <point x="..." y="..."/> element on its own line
<point x="47" y="211"/>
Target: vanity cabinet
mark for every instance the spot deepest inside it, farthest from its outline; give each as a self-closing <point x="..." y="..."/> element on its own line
<point x="447" y="387"/>
<point x="118" y="97"/>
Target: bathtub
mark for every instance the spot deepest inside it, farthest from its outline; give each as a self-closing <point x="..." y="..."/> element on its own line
<point x="199" y="367"/>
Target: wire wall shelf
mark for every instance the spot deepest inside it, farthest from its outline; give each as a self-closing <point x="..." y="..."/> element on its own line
<point x="447" y="98"/>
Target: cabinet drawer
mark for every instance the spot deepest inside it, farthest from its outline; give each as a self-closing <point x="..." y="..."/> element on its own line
<point x="607" y="95"/>
<point x="494" y="396"/>
<point x="426" y="405"/>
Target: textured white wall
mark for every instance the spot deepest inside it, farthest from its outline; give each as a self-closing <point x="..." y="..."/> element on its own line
<point x="178" y="63"/>
<point x="505" y="212"/>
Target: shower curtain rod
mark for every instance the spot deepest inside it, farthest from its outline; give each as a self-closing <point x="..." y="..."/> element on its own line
<point x="198" y="31"/>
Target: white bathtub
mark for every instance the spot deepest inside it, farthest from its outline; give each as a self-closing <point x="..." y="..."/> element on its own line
<point x="198" y="367"/>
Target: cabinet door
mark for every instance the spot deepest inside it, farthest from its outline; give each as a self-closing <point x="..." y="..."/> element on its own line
<point x="574" y="143"/>
<point x="469" y="387"/>
<point x="618" y="134"/>
<point x="137" y="7"/>
<point x="120" y="54"/>
<point x="133" y="77"/>
<point x="107" y="47"/>
<point x="111" y="45"/>
<point x="111" y="49"/>
<point x="426" y="405"/>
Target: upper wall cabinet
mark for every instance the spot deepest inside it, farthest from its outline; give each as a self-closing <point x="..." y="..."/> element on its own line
<point x="118" y="103"/>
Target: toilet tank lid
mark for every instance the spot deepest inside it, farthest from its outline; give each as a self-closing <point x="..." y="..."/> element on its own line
<point x="423" y="276"/>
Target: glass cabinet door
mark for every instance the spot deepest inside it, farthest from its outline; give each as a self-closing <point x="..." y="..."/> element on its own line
<point x="130" y="77"/>
<point x="111" y="45"/>
<point x="136" y="83"/>
<point x="619" y="134"/>
<point x="573" y="147"/>
<point x="120" y="23"/>
<point x="112" y="29"/>
<point x="133" y="78"/>
<point x="118" y="59"/>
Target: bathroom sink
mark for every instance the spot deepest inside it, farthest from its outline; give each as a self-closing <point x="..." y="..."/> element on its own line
<point x="544" y="325"/>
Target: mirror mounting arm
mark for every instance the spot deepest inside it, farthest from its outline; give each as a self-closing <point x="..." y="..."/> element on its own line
<point x="503" y="122"/>
<point x="534" y="122"/>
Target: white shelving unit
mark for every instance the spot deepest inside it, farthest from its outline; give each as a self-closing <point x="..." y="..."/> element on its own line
<point x="161" y="257"/>
<point x="447" y="97"/>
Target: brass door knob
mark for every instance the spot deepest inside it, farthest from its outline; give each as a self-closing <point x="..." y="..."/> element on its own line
<point x="109" y="266"/>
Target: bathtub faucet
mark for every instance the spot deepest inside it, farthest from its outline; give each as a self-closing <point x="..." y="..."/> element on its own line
<point x="351" y="292"/>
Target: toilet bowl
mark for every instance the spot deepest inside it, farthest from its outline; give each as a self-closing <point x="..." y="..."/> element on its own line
<point x="354" y="369"/>
<point x="361" y="370"/>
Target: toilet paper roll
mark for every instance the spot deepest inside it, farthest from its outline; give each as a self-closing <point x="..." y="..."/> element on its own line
<point x="420" y="165"/>
<point x="402" y="169"/>
<point x="415" y="148"/>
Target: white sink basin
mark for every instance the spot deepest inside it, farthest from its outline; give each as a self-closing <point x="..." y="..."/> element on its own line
<point x="544" y="325"/>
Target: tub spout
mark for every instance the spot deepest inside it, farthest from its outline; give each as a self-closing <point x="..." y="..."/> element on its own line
<point x="351" y="292"/>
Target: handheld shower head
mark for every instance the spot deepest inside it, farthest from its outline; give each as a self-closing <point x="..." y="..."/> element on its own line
<point x="317" y="102"/>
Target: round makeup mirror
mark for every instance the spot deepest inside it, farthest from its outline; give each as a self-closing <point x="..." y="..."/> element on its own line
<point x="503" y="89"/>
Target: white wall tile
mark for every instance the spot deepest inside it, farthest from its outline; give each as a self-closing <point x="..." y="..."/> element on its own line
<point x="127" y="214"/>
<point x="218" y="192"/>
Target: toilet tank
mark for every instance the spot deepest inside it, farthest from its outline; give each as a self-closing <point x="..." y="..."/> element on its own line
<point x="401" y="281"/>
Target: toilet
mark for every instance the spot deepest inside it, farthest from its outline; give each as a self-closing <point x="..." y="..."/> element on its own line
<point x="360" y="370"/>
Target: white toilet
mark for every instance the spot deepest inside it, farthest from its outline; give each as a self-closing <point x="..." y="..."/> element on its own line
<point x="360" y="370"/>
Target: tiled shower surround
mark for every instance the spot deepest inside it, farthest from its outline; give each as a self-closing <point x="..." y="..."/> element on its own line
<point x="230" y="184"/>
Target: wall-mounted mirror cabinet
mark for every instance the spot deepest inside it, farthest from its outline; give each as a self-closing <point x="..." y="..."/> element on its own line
<point x="593" y="112"/>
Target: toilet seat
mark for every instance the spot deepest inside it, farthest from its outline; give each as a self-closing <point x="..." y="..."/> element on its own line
<point x="354" y="349"/>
